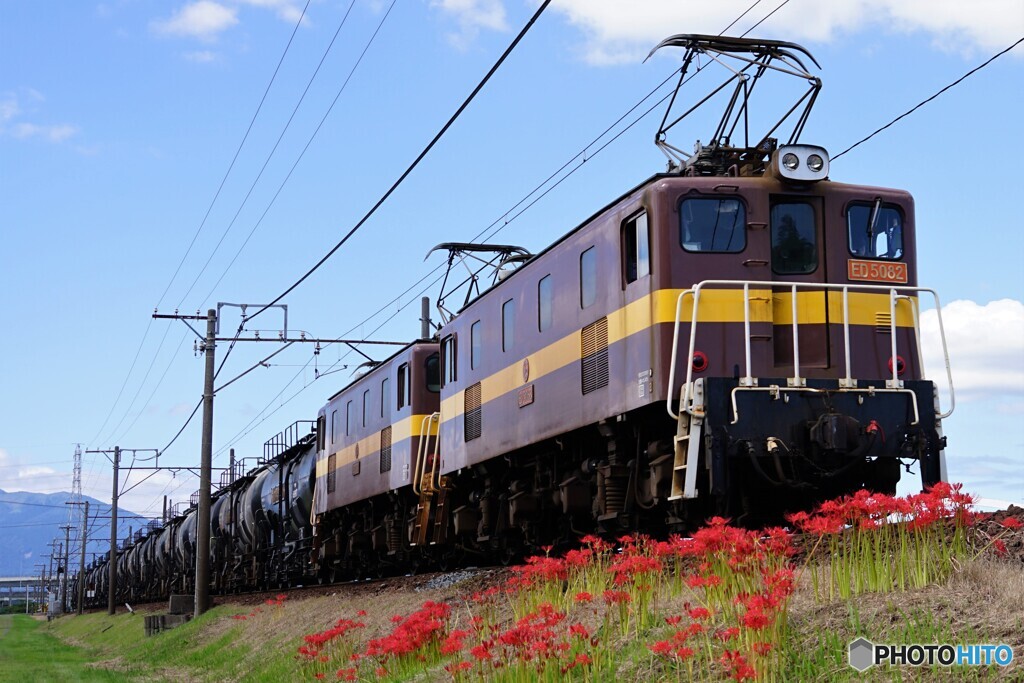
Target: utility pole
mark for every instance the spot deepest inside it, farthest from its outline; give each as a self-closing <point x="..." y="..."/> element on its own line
<point x="205" y="465"/>
<point x="64" y="579"/>
<point x="112" y="587"/>
<point x="80" y="598"/>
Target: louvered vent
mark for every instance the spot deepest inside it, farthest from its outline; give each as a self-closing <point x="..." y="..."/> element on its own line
<point x="883" y="322"/>
<point x="471" y="414"/>
<point x="332" y="475"/>
<point x="594" y="350"/>
<point x="385" y="450"/>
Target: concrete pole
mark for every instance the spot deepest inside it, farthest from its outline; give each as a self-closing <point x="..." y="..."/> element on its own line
<point x="111" y="589"/>
<point x="206" y="465"/>
<point x="81" y="561"/>
<point x="64" y="578"/>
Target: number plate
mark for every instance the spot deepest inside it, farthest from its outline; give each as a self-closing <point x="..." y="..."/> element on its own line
<point x="877" y="271"/>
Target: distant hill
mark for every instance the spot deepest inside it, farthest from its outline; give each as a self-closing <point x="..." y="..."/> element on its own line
<point x="29" y="521"/>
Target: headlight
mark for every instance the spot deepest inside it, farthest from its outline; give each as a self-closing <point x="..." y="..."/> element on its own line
<point x="800" y="163"/>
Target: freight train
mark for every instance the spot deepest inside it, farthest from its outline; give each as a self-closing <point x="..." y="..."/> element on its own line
<point x="738" y="336"/>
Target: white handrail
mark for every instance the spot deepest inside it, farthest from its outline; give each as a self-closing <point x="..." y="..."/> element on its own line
<point x="894" y="293"/>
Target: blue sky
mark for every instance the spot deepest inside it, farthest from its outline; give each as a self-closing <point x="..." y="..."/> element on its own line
<point x="118" y="121"/>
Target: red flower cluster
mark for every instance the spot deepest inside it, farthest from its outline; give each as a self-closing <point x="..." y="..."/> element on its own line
<point x="413" y="632"/>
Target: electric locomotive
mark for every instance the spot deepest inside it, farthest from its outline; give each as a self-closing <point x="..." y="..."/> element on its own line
<point x="739" y="335"/>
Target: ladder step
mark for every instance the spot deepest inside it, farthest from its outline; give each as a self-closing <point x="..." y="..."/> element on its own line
<point x="679" y="468"/>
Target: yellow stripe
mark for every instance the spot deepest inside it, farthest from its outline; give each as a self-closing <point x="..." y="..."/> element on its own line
<point x="400" y="431"/>
<point x="716" y="306"/>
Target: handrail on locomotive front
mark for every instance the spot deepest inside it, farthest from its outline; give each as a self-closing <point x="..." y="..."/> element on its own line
<point x="796" y="382"/>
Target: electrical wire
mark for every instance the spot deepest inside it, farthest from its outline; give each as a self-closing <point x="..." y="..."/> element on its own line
<point x="929" y="99"/>
<point x="415" y="162"/>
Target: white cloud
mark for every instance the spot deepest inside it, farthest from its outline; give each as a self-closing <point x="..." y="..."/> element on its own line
<point x="286" y="10"/>
<point x="986" y="350"/>
<point x="203" y="19"/>
<point x="201" y="56"/>
<point x="472" y="16"/>
<point x="15" y="107"/>
<point x="617" y="31"/>
<point x="55" y="133"/>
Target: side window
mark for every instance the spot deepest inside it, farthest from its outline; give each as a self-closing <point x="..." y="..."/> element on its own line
<point x="321" y="436"/>
<point x="716" y="224"/>
<point x="508" y="325"/>
<point x="448" y="349"/>
<point x="875" y="230"/>
<point x="385" y="399"/>
<point x="348" y="418"/>
<point x="474" y="345"/>
<point x="403" y="385"/>
<point x="545" y="296"/>
<point x="432" y="366"/>
<point x="335" y="432"/>
<point x="794" y="238"/>
<point x="636" y="247"/>
<point x="588" y="277"/>
<point x="366" y="405"/>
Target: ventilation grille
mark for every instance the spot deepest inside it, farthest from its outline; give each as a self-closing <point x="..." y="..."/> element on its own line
<point x="332" y="475"/>
<point x="385" y="450"/>
<point x="883" y="322"/>
<point x="594" y="350"/>
<point x="471" y="414"/>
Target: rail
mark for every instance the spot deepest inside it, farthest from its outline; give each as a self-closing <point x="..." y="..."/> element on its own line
<point x="896" y="295"/>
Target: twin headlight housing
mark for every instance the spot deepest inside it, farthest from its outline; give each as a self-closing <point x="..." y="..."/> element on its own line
<point x="802" y="163"/>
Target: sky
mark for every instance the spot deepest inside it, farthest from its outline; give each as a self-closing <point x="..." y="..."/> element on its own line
<point x="136" y="175"/>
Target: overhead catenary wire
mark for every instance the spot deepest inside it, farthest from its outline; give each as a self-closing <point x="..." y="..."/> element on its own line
<point x="270" y="155"/>
<point x="930" y="98"/>
<point x="149" y="325"/>
<point x="414" y="164"/>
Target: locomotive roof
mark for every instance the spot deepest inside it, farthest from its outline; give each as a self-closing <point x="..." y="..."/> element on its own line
<point x="379" y="365"/>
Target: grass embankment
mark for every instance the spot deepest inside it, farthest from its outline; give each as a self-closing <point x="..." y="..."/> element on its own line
<point x="29" y="653"/>
<point x="724" y="604"/>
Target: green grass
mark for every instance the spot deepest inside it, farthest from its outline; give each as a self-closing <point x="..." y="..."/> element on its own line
<point x="29" y="653"/>
<point x="188" y="649"/>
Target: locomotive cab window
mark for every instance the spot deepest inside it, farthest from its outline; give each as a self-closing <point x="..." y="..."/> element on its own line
<point x="385" y="399"/>
<point x="794" y="238"/>
<point x="636" y="247"/>
<point x="448" y="374"/>
<point x="875" y="230"/>
<point x="432" y="368"/>
<point x="713" y="225"/>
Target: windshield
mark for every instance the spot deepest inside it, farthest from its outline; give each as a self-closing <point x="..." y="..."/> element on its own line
<point x="875" y="230"/>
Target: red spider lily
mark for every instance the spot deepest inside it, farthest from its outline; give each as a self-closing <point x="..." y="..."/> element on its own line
<point x="412" y="632"/>
<point x="739" y="669"/>
<point x="583" y="597"/>
<point x="1012" y="523"/>
<point x="616" y="597"/>
<point x="762" y="648"/>
<point x="699" y="613"/>
<point x="380" y="672"/>
<point x="596" y="543"/>
<point x="453" y="643"/>
<point x="240" y="617"/>
<point x="579" y="631"/>
<point x="320" y="676"/>
<point x="347" y="674"/>
<point x="1000" y="548"/>
<point x="672" y="621"/>
<point x="725" y="635"/>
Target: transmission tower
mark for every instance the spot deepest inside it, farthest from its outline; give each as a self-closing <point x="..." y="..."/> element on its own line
<point x="76" y="485"/>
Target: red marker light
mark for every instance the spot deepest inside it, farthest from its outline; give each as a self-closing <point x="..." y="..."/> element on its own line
<point x="700" y="361"/>
<point x="901" y="365"/>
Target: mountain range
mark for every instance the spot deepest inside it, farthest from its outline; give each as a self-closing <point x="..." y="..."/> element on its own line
<point x="30" y="521"/>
